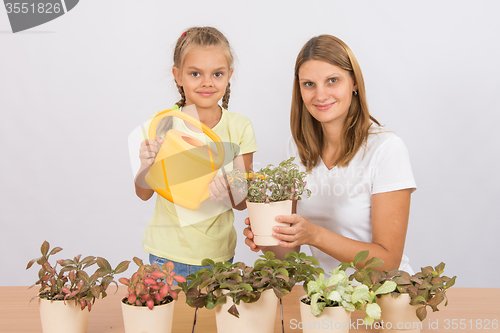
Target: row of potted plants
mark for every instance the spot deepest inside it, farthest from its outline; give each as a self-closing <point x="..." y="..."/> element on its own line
<point x="234" y="289"/>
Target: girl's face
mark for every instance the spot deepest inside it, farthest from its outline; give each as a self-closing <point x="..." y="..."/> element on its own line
<point x="326" y="90"/>
<point x="204" y="75"/>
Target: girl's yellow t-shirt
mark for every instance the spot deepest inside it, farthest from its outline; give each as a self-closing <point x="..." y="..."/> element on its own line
<point x="186" y="236"/>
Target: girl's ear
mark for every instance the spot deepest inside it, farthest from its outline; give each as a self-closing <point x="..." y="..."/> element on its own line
<point x="177" y="75"/>
<point x="230" y="73"/>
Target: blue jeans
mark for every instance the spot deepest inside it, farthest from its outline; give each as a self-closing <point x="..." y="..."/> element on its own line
<point x="179" y="267"/>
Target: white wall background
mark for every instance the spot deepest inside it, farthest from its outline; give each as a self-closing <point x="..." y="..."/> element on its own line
<point x="72" y="90"/>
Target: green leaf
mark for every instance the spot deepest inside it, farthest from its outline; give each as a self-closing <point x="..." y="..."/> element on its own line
<point x="418" y="300"/>
<point x="360" y="257"/>
<point x="316" y="307"/>
<point x="103" y="263"/>
<point x="440" y="268"/>
<point x="207" y="262"/>
<point x="280" y="292"/>
<point x="451" y="282"/>
<point x="427" y="270"/>
<point x="55" y="250"/>
<point x="138" y="261"/>
<point x="387" y="287"/>
<point x="122" y="267"/>
<point x="374" y="262"/>
<point x="32" y="262"/>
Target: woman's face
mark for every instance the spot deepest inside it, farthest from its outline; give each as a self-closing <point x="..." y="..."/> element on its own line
<point x="326" y="90"/>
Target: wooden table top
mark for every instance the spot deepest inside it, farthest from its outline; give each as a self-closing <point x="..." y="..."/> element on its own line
<point x="469" y="310"/>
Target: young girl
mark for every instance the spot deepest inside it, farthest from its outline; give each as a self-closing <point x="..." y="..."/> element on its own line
<point x="203" y="65"/>
<point x="360" y="173"/>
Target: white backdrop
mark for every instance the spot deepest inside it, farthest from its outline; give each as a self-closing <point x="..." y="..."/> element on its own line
<point x="73" y="89"/>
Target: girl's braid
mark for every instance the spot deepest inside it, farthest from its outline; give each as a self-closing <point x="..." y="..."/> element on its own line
<point x="225" y="98"/>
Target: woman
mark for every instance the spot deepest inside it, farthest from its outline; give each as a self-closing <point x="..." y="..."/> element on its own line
<point x="360" y="173"/>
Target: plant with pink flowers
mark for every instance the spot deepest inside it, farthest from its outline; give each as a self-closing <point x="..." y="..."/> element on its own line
<point x="151" y="285"/>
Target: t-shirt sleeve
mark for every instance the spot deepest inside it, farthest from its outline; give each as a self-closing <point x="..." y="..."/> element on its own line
<point x="248" y="142"/>
<point x="392" y="168"/>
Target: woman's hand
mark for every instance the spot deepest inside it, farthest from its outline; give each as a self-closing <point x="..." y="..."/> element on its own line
<point x="301" y="231"/>
<point x="148" y="151"/>
<point x="249" y="240"/>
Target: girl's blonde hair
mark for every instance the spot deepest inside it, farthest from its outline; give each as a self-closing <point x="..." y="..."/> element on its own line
<point x="196" y="36"/>
<point x="201" y="36"/>
<point x="306" y="130"/>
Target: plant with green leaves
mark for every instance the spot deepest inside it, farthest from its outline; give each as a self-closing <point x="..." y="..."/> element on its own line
<point x="238" y="282"/>
<point x="426" y="288"/>
<point x="151" y="285"/>
<point x="71" y="281"/>
<point x="338" y="290"/>
<point x="270" y="184"/>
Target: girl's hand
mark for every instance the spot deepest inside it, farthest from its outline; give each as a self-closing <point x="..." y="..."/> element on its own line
<point x="249" y="240"/>
<point x="218" y="189"/>
<point x="148" y="151"/>
<point x="301" y="231"/>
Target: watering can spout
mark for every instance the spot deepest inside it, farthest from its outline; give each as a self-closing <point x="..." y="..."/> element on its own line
<point x="184" y="166"/>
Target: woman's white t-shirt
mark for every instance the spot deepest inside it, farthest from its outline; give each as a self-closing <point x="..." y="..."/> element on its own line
<point x="341" y="196"/>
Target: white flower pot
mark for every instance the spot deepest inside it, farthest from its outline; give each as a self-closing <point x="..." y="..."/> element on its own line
<point x="254" y="317"/>
<point x="140" y="319"/>
<point x="333" y="319"/>
<point x="263" y="219"/>
<point x="57" y="317"/>
<point x="398" y="315"/>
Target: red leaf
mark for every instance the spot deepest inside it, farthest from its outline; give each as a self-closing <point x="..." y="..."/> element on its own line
<point x="170" y="280"/>
<point x="164" y="291"/>
<point x="421" y="313"/>
<point x="132" y="298"/>
<point x="174" y="294"/>
<point x="150" y="303"/>
<point x="124" y="281"/>
<point x="170" y="266"/>
<point x="179" y="278"/>
<point x="158" y="274"/>
<point x="55" y="250"/>
<point x="45" y="248"/>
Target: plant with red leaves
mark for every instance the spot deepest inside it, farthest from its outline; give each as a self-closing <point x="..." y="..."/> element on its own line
<point x="151" y="285"/>
<point x="72" y="282"/>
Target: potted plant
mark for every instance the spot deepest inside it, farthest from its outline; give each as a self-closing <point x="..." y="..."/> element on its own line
<point x="247" y="296"/>
<point x="406" y="307"/>
<point x="270" y="192"/>
<point x="66" y="291"/>
<point x="148" y="305"/>
<point x="328" y="305"/>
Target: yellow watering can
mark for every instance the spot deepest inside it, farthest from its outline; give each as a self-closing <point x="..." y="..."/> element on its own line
<point x="184" y="166"/>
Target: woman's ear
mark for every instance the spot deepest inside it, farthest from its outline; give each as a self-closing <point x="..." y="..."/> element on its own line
<point x="177" y="75"/>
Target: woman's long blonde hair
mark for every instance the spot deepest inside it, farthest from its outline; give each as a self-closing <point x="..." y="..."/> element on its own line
<point x="306" y="130"/>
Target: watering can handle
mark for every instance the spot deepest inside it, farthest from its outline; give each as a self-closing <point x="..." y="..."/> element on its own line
<point x="207" y="130"/>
